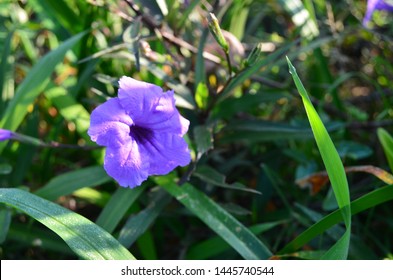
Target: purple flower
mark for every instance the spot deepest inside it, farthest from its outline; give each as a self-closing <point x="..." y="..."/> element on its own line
<point x="142" y="131"/>
<point x="373" y="5"/>
<point x="5" y="134"/>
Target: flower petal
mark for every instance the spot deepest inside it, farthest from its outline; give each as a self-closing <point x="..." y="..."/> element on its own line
<point x="165" y="117"/>
<point x="373" y="5"/>
<point x="150" y="107"/>
<point x="142" y="130"/>
<point x="166" y="151"/>
<point x="126" y="164"/>
<point x="109" y="124"/>
<point x="138" y="98"/>
<point x="5" y="134"/>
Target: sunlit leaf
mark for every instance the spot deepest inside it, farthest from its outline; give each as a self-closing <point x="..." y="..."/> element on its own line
<point x="218" y="220"/>
<point x="85" y="238"/>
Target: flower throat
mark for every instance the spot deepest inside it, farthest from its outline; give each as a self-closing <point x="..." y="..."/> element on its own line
<point x="140" y="134"/>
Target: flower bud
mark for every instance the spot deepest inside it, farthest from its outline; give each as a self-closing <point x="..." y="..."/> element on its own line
<point x="216" y="32"/>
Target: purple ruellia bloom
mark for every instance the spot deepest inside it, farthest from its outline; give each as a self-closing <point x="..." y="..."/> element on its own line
<point x="142" y="131"/>
<point x="373" y="5"/>
<point x="5" y="134"/>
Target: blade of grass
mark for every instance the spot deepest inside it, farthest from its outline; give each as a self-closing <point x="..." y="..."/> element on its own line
<point x="85" y="238"/>
<point x="216" y="245"/>
<point x="259" y="130"/>
<point x="117" y="206"/>
<point x="69" y="182"/>
<point x="212" y="176"/>
<point x="334" y="168"/>
<point x="138" y="224"/>
<point x="363" y="203"/>
<point x="7" y="71"/>
<point x="387" y="143"/>
<point x="61" y="13"/>
<point x="238" y="22"/>
<point x="92" y="196"/>
<point x="5" y="221"/>
<point x="147" y="246"/>
<point x="219" y="220"/>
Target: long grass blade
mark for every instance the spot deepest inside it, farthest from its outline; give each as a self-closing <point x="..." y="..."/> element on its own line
<point x="5" y="221"/>
<point x="117" y="206"/>
<point x="138" y="224"/>
<point x="69" y="182"/>
<point x="7" y="73"/>
<point x="216" y="245"/>
<point x="387" y="143"/>
<point x="86" y="239"/>
<point x="334" y="168"/>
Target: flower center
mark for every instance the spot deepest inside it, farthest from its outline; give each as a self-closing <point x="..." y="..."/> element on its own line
<point x="140" y="134"/>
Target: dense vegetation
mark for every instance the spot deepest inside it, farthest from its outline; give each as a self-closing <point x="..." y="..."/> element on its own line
<point x="265" y="181"/>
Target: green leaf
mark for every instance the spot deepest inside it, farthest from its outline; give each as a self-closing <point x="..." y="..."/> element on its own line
<point x="61" y="13"/>
<point x="138" y="224"/>
<point x="203" y="139"/>
<point x="5" y="220"/>
<point x="147" y="246"/>
<point x="216" y="245"/>
<point x="5" y="168"/>
<point x="219" y="220"/>
<point x="387" y="143"/>
<point x="330" y="157"/>
<point x="67" y="183"/>
<point x="99" y="198"/>
<point x="117" y="206"/>
<point x="200" y="71"/>
<point x="33" y="85"/>
<point x="131" y="36"/>
<point x="201" y="95"/>
<point x="239" y="18"/>
<point x="85" y="238"/>
<point x="212" y="176"/>
<point x="232" y="106"/>
<point x="365" y="202"/>
<point x="334" y="168"/>
<point x="258" y="130"/>
<point x="7" y="73"/>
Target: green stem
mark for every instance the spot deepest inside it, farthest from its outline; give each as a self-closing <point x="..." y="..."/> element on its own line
<point x="53" y="144"/>
<point x="229" y="63"/>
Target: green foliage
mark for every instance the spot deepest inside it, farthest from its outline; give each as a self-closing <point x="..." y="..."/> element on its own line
<point x="387" y="143"/>
<point x="334" y="168"/>
<point x="256" y="187"/>
<point x="225" y="225"/>
<point x="74" y="229"/>
<point x="33" y="85"/>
